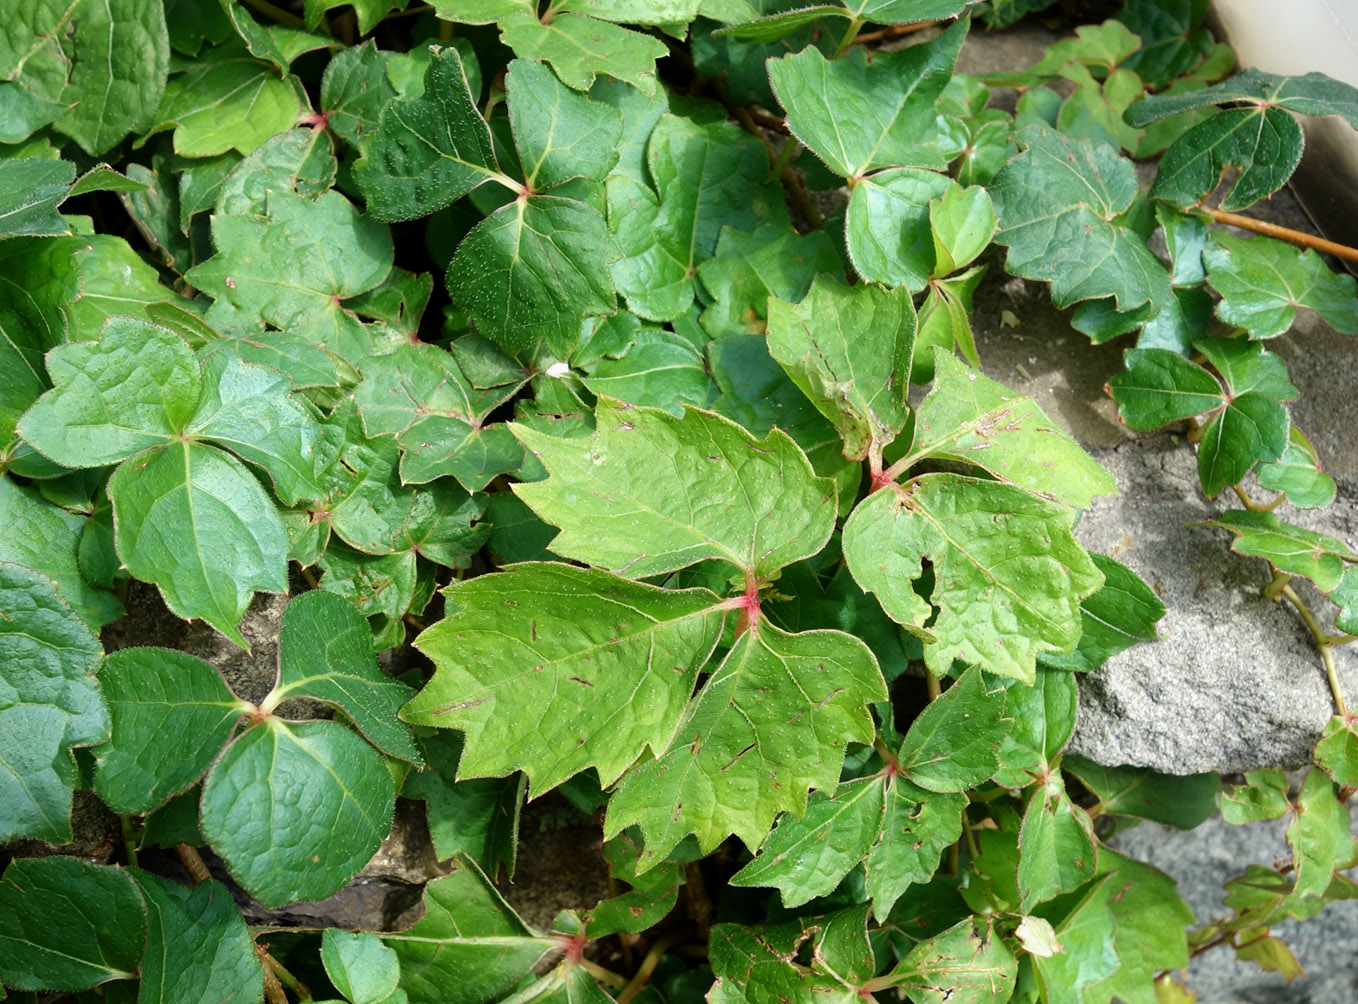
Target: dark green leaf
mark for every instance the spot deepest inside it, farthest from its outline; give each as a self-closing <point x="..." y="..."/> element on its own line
<point x="1179" y="801"/>
<point x="30" y="191"/>
<point x="652" y="896"/>
<point x="951" y="745"/>
<point x="918" y="826"/>
<point x="1057" y="849"/>
<point x="1262" y="282"/>
<point x="559" y="134"/>
<point x="579" y="48"/>
<point x="1161" y="386"/>
<point x="1121" y="613"/>
<point x="748" y="270"/>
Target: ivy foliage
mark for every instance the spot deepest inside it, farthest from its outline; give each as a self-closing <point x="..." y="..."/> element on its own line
<point x="509" y="333"/>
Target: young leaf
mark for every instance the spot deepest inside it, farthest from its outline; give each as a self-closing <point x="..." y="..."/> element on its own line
<point x="770" y="722"/>
<point x="651" y="898"/>
<point x="1293" y="550"/>
<point x="971" y="419"/>
<point x="1057" y="203"/>
<point x="325" y="653"/>
<point x="1337" y="750"/>
<point x="754" y="503"/>
<point x="858" y="115"/>
<point x="849" y="349"/>
<point x="963" y="222"/>
<point x="297" y="808"/>
<point x="1009" y="575"/>
<point x="951" y="745"/>
<point x="612" y="665"/>
<point x="1262" y="282"/>
<point x="886" y="227"/>
<point x="748" y="270"/>
<point x="66" y="924"/>
<point x="559" y="134"/>
<point x="1159" y="386"/>
<point x="469" y="947"/>
<point x="49" y="703"/>
<point x="363" y="969"/>
<point x="1123" y="612"/>
<point x="1182" y="802"/>
<point x="197" y="945"/>
<point x="966" y="964"/>
<point x="153" y="693"/>
<point x="1297" y="474"/>
<point x="195" y="522"/>
<point x="1320" y="835"/>
<point x="1262" y="796"/>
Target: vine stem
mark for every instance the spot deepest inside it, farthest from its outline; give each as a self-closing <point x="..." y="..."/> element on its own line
<point x="1326" y="655"/>
<point x="273" y="990"/>
<point x="855" y="26"/>
<point x="1282" y="233"/>
<point x="895" y="31"/>
<point x="648" y="964"/>
<point x="603" y="975"/>
<point x="129" y="841"/>
<point x="192" y="862"/>
<point x="287" y="979"/>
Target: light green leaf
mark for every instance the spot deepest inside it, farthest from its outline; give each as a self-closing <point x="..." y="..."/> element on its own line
<point x="1009" y="575"/>
<point x="917" y="827"/>
<point x="295" y="809"/>
<point x="290" y="269"/>
<point x="559" y="134"/>
<point x="46" y="538"/>
<point x="195" y="522"/>
<point x="325" y="653"/>
<point x="469" y="947"/>
<point x="1057" y="849"/>
<point x="197" y="945"/>
<point x="367" y="12"/>
<point x="534" y="270"/>
<point x="1087" y="933"/>
<point x="808" y="857"/>
<point x="748" y="270"/>
<point x="952" y="745"/>
<point x="886" y="229"/>
<point x="966" y="964"/>
<point x="1263" y="281"/>
<point x="754" y="503"/>
<point x="971" y="419"/>
<point x="613" y="663"/>
<point x="30" y="191"/>
<point x="1120" y="614"/>
<point x="1057" y="203"/>
<point x="134" y="388"/>
<point x="1320" y="835"/>
<point x="354" y="90"/>
<point x="849" y="349"/>
<point x="1337" y="750"/>
<point x="579" y="48"/>
<point x="858" y="115"/>
<point x="963" y="222"/>
<point x="770" y="722"/>
<point x="298" y="161"/>
<point x="153" y="693"/>
<point x="1298" y="474"/>
<point x="363" y="969"/>
<point x="1180" y="801"/>
<point x="1293" y="550"/>
<point x="1262" y="796"/>
<point x="427" y="151"/>
<point x="661" y="370"/>
<point x="49" y="703"/>
<point x="58" y="928"/>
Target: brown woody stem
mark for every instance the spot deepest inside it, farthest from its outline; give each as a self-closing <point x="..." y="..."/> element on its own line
<point x="1282" y="233"/>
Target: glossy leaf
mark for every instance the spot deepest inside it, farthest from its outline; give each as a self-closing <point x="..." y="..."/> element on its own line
<point x="1009" y="576"/>
<point x="754" y="503"/>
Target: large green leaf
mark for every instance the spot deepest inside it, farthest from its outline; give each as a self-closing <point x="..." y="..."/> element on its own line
<point x="579" y="48"/>
<point x="952" y="745"/>
<point x="1320" y="835"/>
<point x="558" y="133"/>
<point x="849" y="349"/>
<point x="857" y="115"/>
<point x="326" y="653"/>
<point x="612" y="663"/>
<point x="469" y="947"/>
<point x="197" y="945"/>
<point x="153" y="693"/>
<point x="297" y="808"/>
<point x="919" y="825"/>
<point x="66" y="924"/>
<point x="886" y="227"/>
<point x="748" y="270"/>
<point x="1008" y="574"/>
<point x="1057" y="202"/>
<point x="1262" y="282"/>
<point x="770" y="722"/>
<point x="49" y="703"/>
<point x="195" y="522"/>
<point x="722" y="494"/>
<point x="971" y="419"/>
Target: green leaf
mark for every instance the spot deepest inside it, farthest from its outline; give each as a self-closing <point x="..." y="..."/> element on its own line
<point x="966" y="964"/>
<point x="706" y="176"/>
<point x="1263" y="281"/>
<point x="754" y="503"/>
<point x="354" y="90"/>
<point x="295" y="809"/>
<point x="613" y="665"/>
<point x="1057" y="203"/>
<point x="535" y="269"/>
<point x="1172" y="41"/>
<point x="559" y="134"/>
<point x="66" y="924"/>
<point x="651" y="898"/>
<point x="750" y="744"/>
<point x="45" y="538"/>
<point x="195" y="522"/>
<point x="325" y="653"/>
<point x="661" y="370"/>
<point x="429" y="150"/>
<point x="121" y="57"/>
<point x="367" y="12"/>
<point x="849" y="349"/>
<point x="1123" y="612"/>
<point x="1150" y="936"/>
<point x="1298" y="474"/>
<point x="1337" y="750"/>
<point x="1087" y="933"/>
<point x="886" y="228"/>
<point x="1320" y="835"/>
<point x="1293" y="550"/>
<point x="1179" y="801"/>
<point x="951" y="745"/>
<point x="1160" y="386"/>
<point x="49" y="703"/>
<point x="919" y="825"/>
<point x="858" y="115"/>
<point x="153" y="693"/>
<point x="579" y="48"/>
<point x="971" y="419"/>
<point x="292" y="267"/>
<point x="1009" y="575"/>
<point x="963" y="222"/>
<point x="748" y="270"/>
<point x="30" y="191"/>
<point x="300" y="161"/>
<point x="1057" y="849"/>
<point x="30" y="323"/>
<point x="469" y="947"/>
<point x="1262" y="796"/>
<point x="197" y="945"/>
<point x="808" y="856"/>
<point x="363" y="969"/>
<point x="134" y="388"/>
